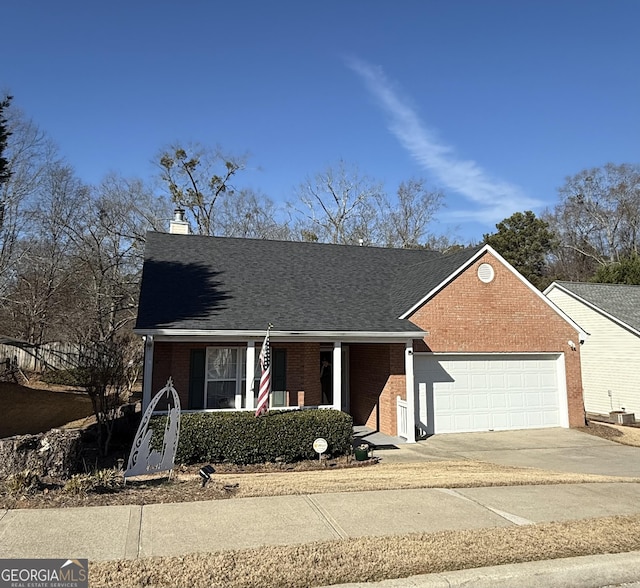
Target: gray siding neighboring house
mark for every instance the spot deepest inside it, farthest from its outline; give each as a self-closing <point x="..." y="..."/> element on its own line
<point x="610" y="313"/>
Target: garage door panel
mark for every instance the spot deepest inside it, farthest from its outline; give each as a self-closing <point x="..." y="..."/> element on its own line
<point x="498" y="400"/>
<point x="497" y="380"/>
<point x="461" y="402"/>
<point x="516" y="400"/>
<point x="549" y="398"/>
<point x="486" y="393"/>
<point x="479" y="381"/>
<point x="481" y="420"/>
<point x="533" y="400"/>
<point x="531" y="381"/>
<point x="480" y="402"/>
<point x="514" y="381"/>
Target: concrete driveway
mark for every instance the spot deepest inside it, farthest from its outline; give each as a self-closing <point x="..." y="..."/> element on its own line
<point x="565" y="450"/>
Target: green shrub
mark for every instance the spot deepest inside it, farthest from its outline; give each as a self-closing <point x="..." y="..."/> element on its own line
<point x="241" y="438"/>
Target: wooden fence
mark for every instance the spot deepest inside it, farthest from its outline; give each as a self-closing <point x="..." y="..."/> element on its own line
<point x="42" y="357"/>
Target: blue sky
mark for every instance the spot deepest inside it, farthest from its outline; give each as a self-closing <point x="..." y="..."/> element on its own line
<point x="495" y="102"/>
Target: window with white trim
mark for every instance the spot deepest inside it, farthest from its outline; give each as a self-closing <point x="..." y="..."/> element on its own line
<point x="225" y="377"/>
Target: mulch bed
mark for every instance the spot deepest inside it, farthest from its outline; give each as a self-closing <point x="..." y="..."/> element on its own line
<point x="185" y="485"/>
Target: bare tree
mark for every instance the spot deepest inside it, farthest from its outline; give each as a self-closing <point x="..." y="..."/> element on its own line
<point x="252" y="215"/>
<point x="105" y="371"/>
<point x="404" y="222"/>
<point x="130" y="208"/>
<point x="598" y="216"/>
<point x="39" y="301"/>
<point x="28" y="153"/>
<point x="338" y="205"/>
<point x="5" y="133"/>
<point x="196" y="179"/>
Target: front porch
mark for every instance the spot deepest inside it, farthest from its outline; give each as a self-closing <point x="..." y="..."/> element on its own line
<point x="371" y="381"/>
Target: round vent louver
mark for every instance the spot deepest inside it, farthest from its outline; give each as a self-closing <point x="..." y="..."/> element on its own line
<point x="485" y="273"/>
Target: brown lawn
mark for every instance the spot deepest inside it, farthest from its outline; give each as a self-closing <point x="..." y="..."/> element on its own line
<point x="372" y="559"/>
<point x="625" y="435"/>
<point x="25" y="410"/>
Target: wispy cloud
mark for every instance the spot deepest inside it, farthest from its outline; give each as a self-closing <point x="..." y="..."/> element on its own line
<point x="491" y="199"/>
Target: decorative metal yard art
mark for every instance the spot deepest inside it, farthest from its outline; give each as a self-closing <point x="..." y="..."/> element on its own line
<point x="144" y="459"/>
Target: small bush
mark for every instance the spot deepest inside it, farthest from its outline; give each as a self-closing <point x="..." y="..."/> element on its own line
<point x="107" y="480"/>
<point x="78" y="484"/>
<point x="22" y="484"/>
<point x="98" y="481"/>
<point x="241" y="438"/>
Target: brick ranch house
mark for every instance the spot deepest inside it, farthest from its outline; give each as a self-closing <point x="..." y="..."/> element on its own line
<point x="417" y="342"/>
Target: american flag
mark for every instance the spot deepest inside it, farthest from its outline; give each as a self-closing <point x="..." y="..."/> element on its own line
<point x="265" y="378"/>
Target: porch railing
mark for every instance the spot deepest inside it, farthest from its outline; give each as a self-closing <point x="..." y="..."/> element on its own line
<point x="401" y="412"/>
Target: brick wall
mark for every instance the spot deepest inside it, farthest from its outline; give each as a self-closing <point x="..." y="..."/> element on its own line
<point x="502" y="316"/>
<point x="173" y="359"/>
<point x="303" y="370"/>
<point x="376" y="377"/>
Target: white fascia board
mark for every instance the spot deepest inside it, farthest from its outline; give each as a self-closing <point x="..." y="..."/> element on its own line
<point x="306" y="336"/>
<point x="503" y="261"/>
<point x="593" y="307"/>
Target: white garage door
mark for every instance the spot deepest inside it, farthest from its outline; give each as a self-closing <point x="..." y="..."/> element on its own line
<point x="486" y="392"/>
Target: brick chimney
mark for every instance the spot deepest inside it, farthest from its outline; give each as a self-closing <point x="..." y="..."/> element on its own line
<point x="179" y="226"/>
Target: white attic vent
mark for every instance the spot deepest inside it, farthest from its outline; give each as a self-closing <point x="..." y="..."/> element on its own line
<point x="486" y="273"/>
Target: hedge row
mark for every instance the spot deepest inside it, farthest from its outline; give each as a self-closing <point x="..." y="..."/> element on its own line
<point x="241" y="438"/>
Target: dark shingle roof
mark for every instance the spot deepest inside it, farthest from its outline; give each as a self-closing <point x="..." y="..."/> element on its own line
<point x="415" y="281"/>
<point x="203" y="283"/>
<point x="618" y="300"/>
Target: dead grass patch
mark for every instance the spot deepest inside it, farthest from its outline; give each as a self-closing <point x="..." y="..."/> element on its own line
<point x="443" y="474"/>
<point x="186" y="487"/>
<point x="373" y="559"/>
<point x="626" y="435"/>
<point x="25" y="410"/>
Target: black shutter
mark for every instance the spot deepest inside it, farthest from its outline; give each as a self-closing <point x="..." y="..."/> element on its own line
<point x="196" y="379"/>
<point x="278" y="377"/>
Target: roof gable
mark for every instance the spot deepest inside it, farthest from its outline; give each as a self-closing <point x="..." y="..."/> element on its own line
<point x="620" y="302"/>
<point x="465" y="259"/>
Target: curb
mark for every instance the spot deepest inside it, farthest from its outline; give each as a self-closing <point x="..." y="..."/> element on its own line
<point x="591" y="571"/>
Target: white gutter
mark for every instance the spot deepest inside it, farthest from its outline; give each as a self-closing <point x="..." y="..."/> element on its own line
<point x="230" y="335"/>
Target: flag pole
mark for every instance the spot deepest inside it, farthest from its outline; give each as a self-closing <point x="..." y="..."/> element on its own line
<point x="265" y="375"/>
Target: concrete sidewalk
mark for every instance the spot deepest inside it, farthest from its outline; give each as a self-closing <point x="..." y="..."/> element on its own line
<point x="115" y="532"/>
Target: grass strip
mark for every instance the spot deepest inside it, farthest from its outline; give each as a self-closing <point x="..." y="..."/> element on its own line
<point x="371" y="559"/>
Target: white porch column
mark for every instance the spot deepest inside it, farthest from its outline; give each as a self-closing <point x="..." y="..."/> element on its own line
<point x="410" y="391"/>
<point x="337" y="375"/>
<point x="147" y="372"/>
<point x="249" y="374"/>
